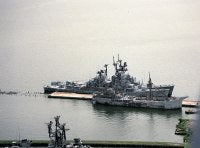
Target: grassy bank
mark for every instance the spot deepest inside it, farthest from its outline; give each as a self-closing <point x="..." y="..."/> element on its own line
<point x="184" y="127"/>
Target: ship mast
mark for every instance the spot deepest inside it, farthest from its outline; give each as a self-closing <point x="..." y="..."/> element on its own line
<point x="149" y="85"/>
<point x="106" y="70"/>
<point x="115" y="65"/>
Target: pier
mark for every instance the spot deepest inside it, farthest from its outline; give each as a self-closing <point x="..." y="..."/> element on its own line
<point x="138" y="144"/>
<point x="69" y="95"/>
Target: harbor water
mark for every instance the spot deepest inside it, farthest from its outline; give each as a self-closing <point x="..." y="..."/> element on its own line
<point x="26" y="115"/>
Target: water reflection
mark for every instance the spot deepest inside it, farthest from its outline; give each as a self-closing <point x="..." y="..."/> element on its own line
<point x="139" y="123"/>
<point x="109" y="111"/>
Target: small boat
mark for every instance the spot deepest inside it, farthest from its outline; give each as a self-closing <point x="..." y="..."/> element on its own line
<point x="191" y="111"/>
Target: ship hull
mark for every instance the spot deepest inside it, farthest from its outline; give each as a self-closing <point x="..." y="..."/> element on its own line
<point x="49" y="90"/>
<point x="175" y="103"/>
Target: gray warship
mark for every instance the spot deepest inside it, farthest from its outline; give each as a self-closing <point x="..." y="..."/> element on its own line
<point x="121" y="81"/>
<point x="149" y="98"/>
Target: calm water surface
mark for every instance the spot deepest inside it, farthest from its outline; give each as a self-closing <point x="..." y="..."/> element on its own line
<point x="28" y="114"/>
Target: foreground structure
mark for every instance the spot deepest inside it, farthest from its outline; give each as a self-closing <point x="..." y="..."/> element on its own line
<point x="58" y="136"/>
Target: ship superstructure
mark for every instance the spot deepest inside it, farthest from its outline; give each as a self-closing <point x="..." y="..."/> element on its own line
<point x="100" y="81"/>
<point x="124" y="83"/>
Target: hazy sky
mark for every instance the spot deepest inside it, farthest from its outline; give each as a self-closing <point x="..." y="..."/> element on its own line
<point x="44" y="40"/>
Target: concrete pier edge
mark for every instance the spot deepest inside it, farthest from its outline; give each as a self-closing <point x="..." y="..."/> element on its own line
<point x="97" y="143"/>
